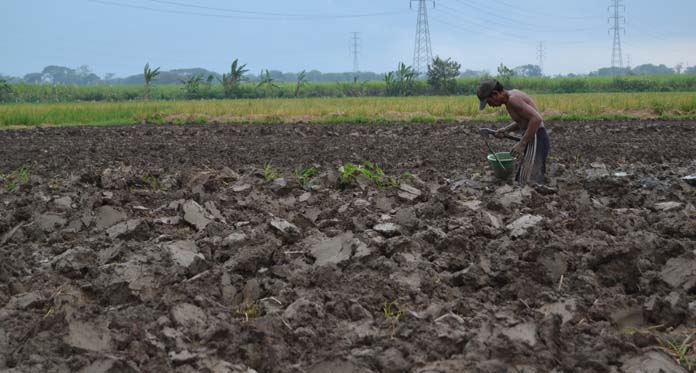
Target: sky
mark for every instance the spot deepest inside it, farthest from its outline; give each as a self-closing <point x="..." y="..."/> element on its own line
<point x="120" y="36"/>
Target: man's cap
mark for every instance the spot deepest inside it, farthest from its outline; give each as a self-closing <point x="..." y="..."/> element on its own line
<point x="485" y="90"/>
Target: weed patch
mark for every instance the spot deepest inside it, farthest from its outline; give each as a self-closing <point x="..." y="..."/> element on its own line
<point x="370" y="171"/>
<point x="392" y="312"/>
<point x="250" y="311"/>
<point x="11" y="182"/>
<point x="681" y="348"/>
<point x="269" y="172"/>
<point x="304" y="176"/>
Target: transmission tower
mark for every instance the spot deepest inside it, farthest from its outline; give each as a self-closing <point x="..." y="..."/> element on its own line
<point x="540" y="55"/>
<point x="422" y="52"/>
<point x="355" y="51"/>
<point x="615" y="9"/>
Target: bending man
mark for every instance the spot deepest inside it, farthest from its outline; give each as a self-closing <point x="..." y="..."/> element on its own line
<point x="535" y="144"/>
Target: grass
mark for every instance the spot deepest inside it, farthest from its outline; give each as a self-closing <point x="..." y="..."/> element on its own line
<point x="23" y="174"/>
<point x="682" y="349"/>
<point x="680" y="345"/>
<point x="423" y="109"/>
<point x="392" y="312"/>
<point x="304" y="176"/>
<point x="270" y="173"/>
<point x="152" y="182"/>
<point x="13" y="180"/>
<point x="370" y="171"/>
<point x="249" y="311"/>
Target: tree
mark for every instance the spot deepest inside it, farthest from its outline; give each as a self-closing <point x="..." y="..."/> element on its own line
<point x="208" y="85"/>
<point x="611" y="71"/>
<point x="5" y="91"/>
<point x="404" y="78"/>
<point x="690" y="70"/>
<point x="473" y="73"/>
<point x="33" y="78"/>
<point x="149" y="76"/>
<point x="267" y="83"/>
<point x="505" y="72"/>
<point x="442" y="74"/>
<point x="192" y="86"/>
<point x="301" y="81"/>
<point x="679" y="67"/>
<point x="505" y="75"/>
<point x="230" y="82"/>
<point x="83" y="70"/>
<point x="56" y="74"/>
<point x="650" y="69"/>
<point x="399" y="82"/>
<point x="390" y="84"/>
<point x="528" y="70"/>
<point x="65" y="75"/>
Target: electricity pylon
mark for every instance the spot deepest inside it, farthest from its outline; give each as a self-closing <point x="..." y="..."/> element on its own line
<point x="615" y="8"/>
<point x="540" y="55"/>
<point x="355" y="51"/>
<point x="422" y="51"/>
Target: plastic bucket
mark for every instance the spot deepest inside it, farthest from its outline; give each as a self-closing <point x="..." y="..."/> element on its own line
<point x="504" y="169"/>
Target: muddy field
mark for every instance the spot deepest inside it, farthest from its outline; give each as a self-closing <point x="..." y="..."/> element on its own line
<point x="176" y="248"/>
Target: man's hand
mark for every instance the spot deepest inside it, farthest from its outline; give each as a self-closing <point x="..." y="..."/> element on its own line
<point x="518" y="150"/>
<point x="500" y="133"/>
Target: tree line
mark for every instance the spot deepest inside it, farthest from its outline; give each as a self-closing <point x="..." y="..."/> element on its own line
<point x="443" y="77"/>
<point x="83" y="75"/>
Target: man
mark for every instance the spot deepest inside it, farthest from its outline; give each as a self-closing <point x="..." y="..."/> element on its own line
<point x="534" y="145"/>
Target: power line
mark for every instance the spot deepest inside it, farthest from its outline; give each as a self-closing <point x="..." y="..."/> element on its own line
<point x="514" y="22"/>
<point x="181" y="4"/>
<point x="455" y="13"/>
<point x="250" y="15"/>
<point x="422" y="51"/>
<point x="499" y="33"/>
<point x="509" y="6"/>
<point x="653" y="33"/>
<point x="502" y="30"/>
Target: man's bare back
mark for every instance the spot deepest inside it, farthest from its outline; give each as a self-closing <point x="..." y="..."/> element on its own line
<point x="514" y="107"/>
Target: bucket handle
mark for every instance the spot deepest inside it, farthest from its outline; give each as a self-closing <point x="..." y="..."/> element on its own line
<point x="495" y="155"/>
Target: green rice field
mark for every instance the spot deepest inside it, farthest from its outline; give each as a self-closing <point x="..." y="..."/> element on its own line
<point x="554" y="107"/>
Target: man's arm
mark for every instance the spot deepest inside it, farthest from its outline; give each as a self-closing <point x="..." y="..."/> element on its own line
<point x="532" y="116"/>
<point x="509" y="128"/>
<point x="512" y="127"/>
<point x="534" y="120"/>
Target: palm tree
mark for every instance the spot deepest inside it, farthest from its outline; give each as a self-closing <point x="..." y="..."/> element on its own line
<point x="231" y="81"/>
<point x="192" y="85"/>
<point x="390" y="83"/>
<point x="267" y="82"/>
<point x="301" y="81"/>
<point x="403" y="77"/>
<point x="149" y="76"/>
<point x="405" y="73"/>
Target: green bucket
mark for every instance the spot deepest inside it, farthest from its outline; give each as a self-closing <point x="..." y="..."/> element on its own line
<point x="504" y="169"/>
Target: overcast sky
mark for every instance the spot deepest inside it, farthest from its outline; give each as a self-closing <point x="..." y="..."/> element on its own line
<point x="120" y="36"/>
